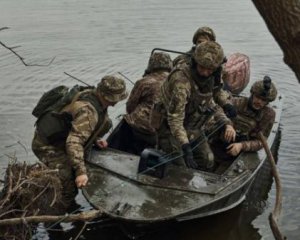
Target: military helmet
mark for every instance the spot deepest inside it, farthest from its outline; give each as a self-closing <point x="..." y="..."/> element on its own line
<point x="112" y="88"/>
<point x="206" y="31"/>
<point x="264" y="89"/>
<point x="159" y="61"/>
<point x="209" y="54"/>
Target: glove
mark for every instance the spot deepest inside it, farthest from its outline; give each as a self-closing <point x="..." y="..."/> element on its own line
<point x="188" y="156"/>
<point x="230" y="110"/>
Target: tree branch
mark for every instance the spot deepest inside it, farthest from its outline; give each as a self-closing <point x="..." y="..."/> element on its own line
<point x="83" y="216"/>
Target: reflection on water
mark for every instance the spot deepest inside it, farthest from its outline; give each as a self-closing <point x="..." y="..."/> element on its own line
<point x="98" y="37"/>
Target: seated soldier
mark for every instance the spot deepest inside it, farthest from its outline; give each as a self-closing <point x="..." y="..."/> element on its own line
<point x="253" y="115"/>
<point x="142" y="99"/>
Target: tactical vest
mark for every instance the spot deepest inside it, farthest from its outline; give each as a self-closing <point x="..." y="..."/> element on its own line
<point x="246" y="120"/>
<point x="54" y="127"/>
<point x="102" y="127"/>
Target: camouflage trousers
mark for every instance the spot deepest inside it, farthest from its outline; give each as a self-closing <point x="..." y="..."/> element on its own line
<point x="55" y="157"/>
<point x="202" y="152"/>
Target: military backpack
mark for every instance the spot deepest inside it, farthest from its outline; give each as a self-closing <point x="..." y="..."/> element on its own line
<point x="52" y="124"/>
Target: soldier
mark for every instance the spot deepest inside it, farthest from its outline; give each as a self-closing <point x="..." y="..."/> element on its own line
<point x="201" y="35"/>
<point x="253" y="115"/>
<point x="89" y="121"/>
<point x="142" y="98"/>
<point x="187" y="100"/>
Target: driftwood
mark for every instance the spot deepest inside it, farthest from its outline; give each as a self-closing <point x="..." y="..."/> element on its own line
<point x="83" y="216"/>
<point x="275" y="214"/>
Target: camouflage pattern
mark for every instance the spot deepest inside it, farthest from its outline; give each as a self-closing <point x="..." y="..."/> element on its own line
<point x="188" y="99"/>
<point x="159" y="61"/>
<point x="206" y="31"/>
<point x="68" y="156"/>
<point x="261" y="90"/>
<point x="236" y="73"/>
<point x="209" y="55"/>
<point x="112" y="88"/>
<point x="182" y="59"/>
<point x="143" y="96"/>
<point x="248" y="122"/>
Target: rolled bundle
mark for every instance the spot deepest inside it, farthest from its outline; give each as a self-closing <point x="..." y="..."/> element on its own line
<point x="236" y="73"/>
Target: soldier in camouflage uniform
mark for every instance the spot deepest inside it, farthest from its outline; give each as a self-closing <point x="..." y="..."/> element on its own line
<point x="143" y="96"/>
<point x="187" y="98"/>
<point x="90" y="118"/>
<point x="253" y="115"/>
<point x="201" y="35"/>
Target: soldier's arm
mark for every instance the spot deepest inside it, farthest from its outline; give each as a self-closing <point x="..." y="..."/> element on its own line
<point x="176" y="110"/>
<point x="84" y="123"/>
<point x="265" y="126"/>
<point x="134" y="97"/>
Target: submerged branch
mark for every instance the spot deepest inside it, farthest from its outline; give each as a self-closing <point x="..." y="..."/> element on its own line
<point x="83" y="216"/>
<point x="274" y="216"/>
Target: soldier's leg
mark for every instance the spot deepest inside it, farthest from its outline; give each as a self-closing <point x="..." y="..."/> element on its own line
<point x="168" y="144"/>
<point x="56" y="158"/>
<point x="203" y="155"/>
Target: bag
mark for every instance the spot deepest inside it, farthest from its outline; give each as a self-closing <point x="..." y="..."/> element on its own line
<point x="56" y="98"/>
<point x="52" y="125"/>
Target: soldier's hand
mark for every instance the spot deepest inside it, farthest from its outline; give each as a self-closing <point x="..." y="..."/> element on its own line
<point x="101" y="143"/>
<point x="188" y="156"/>
<point x="234" y="149"/>
<point x="230" y="133"/>
<point x="81" y="180"/>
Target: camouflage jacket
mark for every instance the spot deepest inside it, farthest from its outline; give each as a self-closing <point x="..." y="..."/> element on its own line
<point x="143" y="96"/>
<point x="85" y="121"/>
<point x="187" y="100"/>
<point x="248" y="122"/>
<point x="183" y="58"/>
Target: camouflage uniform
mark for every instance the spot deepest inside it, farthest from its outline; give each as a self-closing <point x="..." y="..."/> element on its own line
<point x="143" y="96"/>
<point x="142" y="99"/>
<point x="68" y="154"/>
<point x="187" y="99"/>
<point x="249" y="121"/>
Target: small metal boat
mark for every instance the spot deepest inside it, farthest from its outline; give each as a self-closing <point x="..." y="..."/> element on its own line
<point x="116" y="187"/>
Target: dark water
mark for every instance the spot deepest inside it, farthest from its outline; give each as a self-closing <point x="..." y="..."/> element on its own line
<point x="92" y="38"/>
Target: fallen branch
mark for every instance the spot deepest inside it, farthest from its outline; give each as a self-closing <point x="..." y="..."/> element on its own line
<point x="274" y="215"/>
<point x="83" y="216"/>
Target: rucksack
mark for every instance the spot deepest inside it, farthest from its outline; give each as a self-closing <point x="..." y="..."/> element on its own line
<point x="52" y="124"/>
<point x="56" y="99"/>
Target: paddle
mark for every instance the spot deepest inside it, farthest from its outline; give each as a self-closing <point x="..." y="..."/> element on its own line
<point x="274" y="215"/>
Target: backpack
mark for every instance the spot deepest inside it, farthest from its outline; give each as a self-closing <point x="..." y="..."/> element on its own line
<point x="52" y="125"/>
<point x="56" y="99"/>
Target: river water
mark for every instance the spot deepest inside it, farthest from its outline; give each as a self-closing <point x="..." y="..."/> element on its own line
<point x="92" y="38"/>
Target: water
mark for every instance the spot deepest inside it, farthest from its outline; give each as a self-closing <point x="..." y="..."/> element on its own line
<point x="92" y="38"/>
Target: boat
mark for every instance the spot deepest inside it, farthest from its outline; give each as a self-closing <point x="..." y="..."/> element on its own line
<point x="116" y="188"/>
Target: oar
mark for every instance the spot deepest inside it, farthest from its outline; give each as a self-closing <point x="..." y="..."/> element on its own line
<point x="274" y="215"/>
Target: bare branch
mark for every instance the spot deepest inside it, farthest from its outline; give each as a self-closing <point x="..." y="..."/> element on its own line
<point x="4" y="28"/>
<point x="22" y="59"/>
<point x="83" y="216"/>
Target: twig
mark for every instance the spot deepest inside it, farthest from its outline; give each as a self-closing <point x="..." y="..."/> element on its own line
<point x="10" y="211"/>
<point x="77" y="79"/>
<point x="37" y="196"/>
<point x="126" y="77"/>
<point x="81" y="230"/>
<point x="22" y="59"/>
<point x="274" y="216"/>
<point x="4" y="28"/>
<point x="9" y="191"/>
<point x="83" y="216"/>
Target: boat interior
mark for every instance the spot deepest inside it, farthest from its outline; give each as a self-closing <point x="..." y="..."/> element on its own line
<point x="125" y="140"/>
